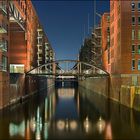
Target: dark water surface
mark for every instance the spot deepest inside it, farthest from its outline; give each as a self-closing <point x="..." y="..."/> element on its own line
<point x="69" y="113"/>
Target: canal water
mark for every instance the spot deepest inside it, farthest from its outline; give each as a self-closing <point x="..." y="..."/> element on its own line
<point x="68" y="112"/>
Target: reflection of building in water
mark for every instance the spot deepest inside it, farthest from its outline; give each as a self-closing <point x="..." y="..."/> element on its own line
<point x="42" y="125"/>
<point x="36" y="124"/>
<point x="50" y="104"/>
<point x="108" y="132"/>
<point x="17" y="129"/>
<point x="66" y="92"/>
<point x="69" y="93"/>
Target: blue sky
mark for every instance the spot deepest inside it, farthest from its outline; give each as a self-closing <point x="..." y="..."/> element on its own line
<point x="66" y="23"/>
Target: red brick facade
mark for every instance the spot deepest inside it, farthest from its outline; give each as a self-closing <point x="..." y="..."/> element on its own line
<point x="19" y="52"/>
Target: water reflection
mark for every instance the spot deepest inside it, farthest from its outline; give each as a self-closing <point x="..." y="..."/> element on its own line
<point x="15" y="129"/>
<point x="67" y="112"/>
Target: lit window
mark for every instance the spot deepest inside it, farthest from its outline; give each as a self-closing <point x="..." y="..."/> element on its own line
<point x="138" y="49"/>
<point x="133" y="6"/>
<point x="133" y="20"/>
<point x="16" y="68"/>
<point x="133" y="48"/>
<point x="133" y="64"/>
<point x="139" y="64"/>
<point x="133" y="34"/>
<point x="138" y="34"/>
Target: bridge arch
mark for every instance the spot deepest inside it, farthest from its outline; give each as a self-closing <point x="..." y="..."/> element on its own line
<point x="67" y="68"/>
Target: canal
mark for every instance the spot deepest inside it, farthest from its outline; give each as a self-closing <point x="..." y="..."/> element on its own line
<point x="69" y="112"/>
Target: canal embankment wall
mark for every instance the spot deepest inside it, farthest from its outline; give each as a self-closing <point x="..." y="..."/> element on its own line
<point x="22" y="87"/>
<point x="98" y="85"/>
<point x="114" y="88"/>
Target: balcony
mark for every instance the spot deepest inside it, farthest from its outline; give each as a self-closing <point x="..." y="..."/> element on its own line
<point x="39" y="58"/>
<point x="39" y="51"/>
<point x="46" y="47"/>
<point x="46" y="58"/>
<point x="96" y="34"/>
<point x="39" y="44"/>
<point x="3" y="6"/>
<point x="40" y="35"/>
<point x="3" y="27"/>
<point x="3" y="45"/>
<point x="39" y="30"/>
<point x="46" y="53"/>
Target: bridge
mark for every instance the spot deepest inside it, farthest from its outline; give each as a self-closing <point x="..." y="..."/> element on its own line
<point x="66" y="69"/>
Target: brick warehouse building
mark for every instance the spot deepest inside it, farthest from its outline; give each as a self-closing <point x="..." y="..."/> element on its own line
<point x="122" y="58"/>
<point x="90" y="51"/>
<point x="105" y="41"/>
<point x="23" y="47"/>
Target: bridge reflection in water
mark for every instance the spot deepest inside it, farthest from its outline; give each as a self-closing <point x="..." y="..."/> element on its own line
<point x="69" y="112"/>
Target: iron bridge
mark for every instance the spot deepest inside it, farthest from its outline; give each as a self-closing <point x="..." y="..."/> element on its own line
<point x="67" y="68"/>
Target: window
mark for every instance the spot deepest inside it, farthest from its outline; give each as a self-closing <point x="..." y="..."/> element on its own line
<point x="4" y="63"/>
<point x="16" y="68"/>
<point x="133" y="34"/>
<point x="112" y="18"/>
<point x="118" y="36"/>
<point x="133" y="64"/>
<point x="108" y="56"/>
<point x="108" y="30"/>
<point x="108" y="19"/>
<point x="139" y="64"/>
<point x="139" y="6"/>
<point x="108" y="38"/>
<point x="133" y="6"/>
<point x="3" y="45"/>
<point x="133" y="20"/>
<point x="138" y="49"/>
<point x="138" y="34"/>
<point x="139" y="20"/>
<point x="119" y="23"/>
<point x="134" y="80"/>
<point x="133" y="48"/>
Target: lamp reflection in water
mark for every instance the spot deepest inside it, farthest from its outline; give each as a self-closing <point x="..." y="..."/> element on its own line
<point x="46" y="128"/>
<point x="100" y="125"/>
<point x="87" y="125"/>
<point x="60" y="125"/>
<point x="67" y="125"/>
<point x="33" y="124"/>
<point x="28" y="131"/>
<point x="73" y="125"/>
<point x="38" y="125"/>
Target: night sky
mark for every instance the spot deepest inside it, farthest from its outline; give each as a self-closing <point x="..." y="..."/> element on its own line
<point x="66" y="23"/>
